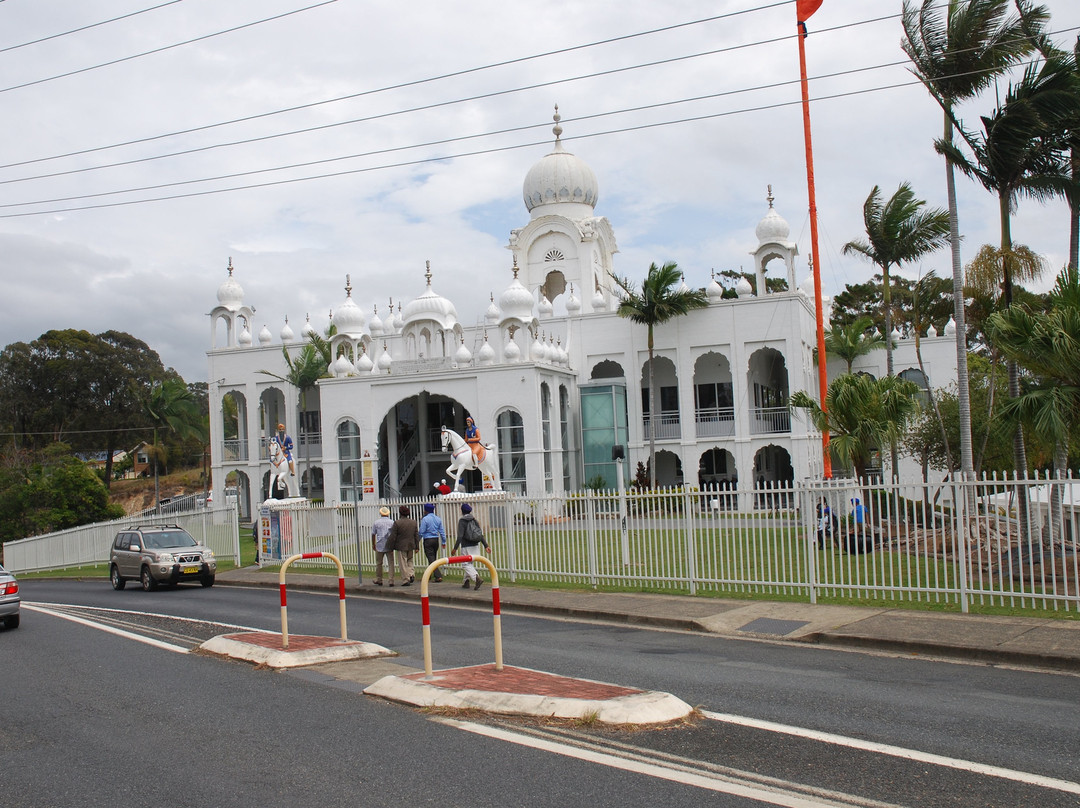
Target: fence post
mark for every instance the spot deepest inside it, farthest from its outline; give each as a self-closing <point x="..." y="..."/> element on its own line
<point x="511" y="537"/>
<point x="960" y="506"/>
<point x="691" y="545"/>
<point x="809" y="517"/>
<point x="590" y="532"/>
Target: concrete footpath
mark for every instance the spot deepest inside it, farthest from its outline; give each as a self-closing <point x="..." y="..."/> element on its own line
<point x="1052" y="644"/>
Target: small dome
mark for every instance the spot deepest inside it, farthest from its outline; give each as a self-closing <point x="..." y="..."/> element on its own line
<point x="599" y="302"/>
<point x="931" y="332"/>
<point x="545" y="308"/>
<point x="364" y="363"/>
<point x="511" y="351"/>
<point x="245" y="336"/>
<point x="265" y="337"/>
<point x="537" y="353"/>
<point x="895" y="334"/>
<point x="563" y="356"/>
<point x="230" y="294"/>
<point x="950" y="328"/>
<point x="772" y="228"/>
<point x="287" y="332"/>
<point x="430" y="306"/>
<point x="516" y="302"/>
<point x="714" y="290"/>
<point x="463" y="356"/>
<point x="343" y="367"/>
<point x="487" y="353"/>
<point x="492" y="314"/>
<point x="573" y="305"/>
<point x="560" y="177"/>
<point x="743" y="288"/>
<point x="375" y="325"/>
<point x="385" y="361"/>
<point x="308" y="328"/>
<point x="349" y="319"/>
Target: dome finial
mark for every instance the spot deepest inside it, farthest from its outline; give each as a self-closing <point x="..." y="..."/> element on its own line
<point x="557" y="129"/>
<point x="427" y="273"/>
<point x="515" y="268"/>
<point x="348" y="286"/>
<point x="230" y="266"/>
<point x="770" y="196"/>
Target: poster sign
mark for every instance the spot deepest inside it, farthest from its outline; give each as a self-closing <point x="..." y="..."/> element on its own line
<point x="369" y="476"/>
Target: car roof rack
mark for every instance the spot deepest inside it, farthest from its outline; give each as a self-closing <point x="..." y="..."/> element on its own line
<point x="154" y="527"/>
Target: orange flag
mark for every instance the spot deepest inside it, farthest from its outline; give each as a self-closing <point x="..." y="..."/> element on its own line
<point x="804" y="8"/>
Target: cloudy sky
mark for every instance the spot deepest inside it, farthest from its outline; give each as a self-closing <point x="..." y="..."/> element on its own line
<point x="145" y="143"/>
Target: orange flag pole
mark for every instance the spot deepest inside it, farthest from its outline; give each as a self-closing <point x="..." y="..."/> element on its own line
<point x="804" y="8"/>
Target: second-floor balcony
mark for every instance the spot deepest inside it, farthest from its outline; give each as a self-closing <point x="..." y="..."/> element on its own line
<point x="234" y="450"/>
<point x="666" y="425"/>
<point x="715" y="422"/>
<point x="769" y="420"/>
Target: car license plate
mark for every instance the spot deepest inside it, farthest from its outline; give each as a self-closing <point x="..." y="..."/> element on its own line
<point x="189" y="570"/>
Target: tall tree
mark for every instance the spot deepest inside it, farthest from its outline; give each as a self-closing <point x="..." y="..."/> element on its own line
<point x="1020" y="154"/>
<point x="658" y="302"/>
<point x="849" y="342"/>
<point x="957" y="57"/>
<point x="1048" y="345"/>
<point x="862" y="415"/>
<point x="898" y="231"/>
<point x="170" y="406"/>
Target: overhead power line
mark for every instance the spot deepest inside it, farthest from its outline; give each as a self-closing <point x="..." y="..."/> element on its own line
<point x="87" y="27"/>
<point x="402" y="85"/>
<point x="162" y="49"/>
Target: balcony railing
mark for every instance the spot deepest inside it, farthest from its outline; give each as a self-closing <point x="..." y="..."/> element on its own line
<point x="666" y="425"/>
<point x="715" y="422"/>
<point x="234" y="450"/>
<point x="766" y="420"/>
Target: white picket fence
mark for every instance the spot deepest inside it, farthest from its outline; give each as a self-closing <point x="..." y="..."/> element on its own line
<point x="217" y="528"/>
<point x="957" y="543"/>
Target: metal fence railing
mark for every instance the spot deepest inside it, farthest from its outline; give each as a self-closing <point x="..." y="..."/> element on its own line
<point x="991" y="542"/>
<point x="217" y="528"/>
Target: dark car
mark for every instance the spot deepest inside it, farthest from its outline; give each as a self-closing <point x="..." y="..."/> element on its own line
<point x="9" y="599"/>
<point x="159" y="554"/>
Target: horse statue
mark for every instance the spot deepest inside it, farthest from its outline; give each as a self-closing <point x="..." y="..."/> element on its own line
<point x="462" y="459"/>
<point x="282" y="481"/>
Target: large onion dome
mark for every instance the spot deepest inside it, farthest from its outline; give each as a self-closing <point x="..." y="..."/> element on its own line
<point x="560" y="177"/>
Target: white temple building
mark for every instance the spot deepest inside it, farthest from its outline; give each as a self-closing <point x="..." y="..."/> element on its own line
<point x="553" y="377"/>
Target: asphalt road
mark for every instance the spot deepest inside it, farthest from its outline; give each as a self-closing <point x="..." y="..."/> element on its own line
<point x="89" y="715"/>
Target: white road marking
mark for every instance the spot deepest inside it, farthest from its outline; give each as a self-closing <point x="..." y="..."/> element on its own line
<point x="789" y="796"/>
<point x="109" y="629"/>
<point x="1027" y="778"/>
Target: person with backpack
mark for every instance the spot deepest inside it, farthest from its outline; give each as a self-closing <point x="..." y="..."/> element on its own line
<point x="432" y="533"/>
<point x="469" y="536"/>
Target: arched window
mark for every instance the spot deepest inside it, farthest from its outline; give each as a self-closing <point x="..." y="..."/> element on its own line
<point x="545" y="433"/>
<point x="510" y="430"/>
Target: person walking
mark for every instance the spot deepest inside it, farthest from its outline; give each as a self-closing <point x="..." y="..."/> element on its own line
<point x="469" y="536"/>
<point x="404" y="538"/>
<point x="380" y="532"/>
<point x="433" y="535"/>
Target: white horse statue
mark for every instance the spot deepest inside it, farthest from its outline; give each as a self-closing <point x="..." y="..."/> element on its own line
<point x="462" y="459"/>
<point x="281" y="479"/>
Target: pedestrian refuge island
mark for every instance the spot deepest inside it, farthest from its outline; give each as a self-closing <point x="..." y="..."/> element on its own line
<point x="519" y="691"/>
<point x="268" y="649"/>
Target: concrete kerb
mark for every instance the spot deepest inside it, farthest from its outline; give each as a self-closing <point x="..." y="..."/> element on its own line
<point x="259" y="648"/>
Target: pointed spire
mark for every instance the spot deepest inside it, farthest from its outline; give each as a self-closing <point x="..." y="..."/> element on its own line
<point x="348" y="286"/>
<point x="230" y="266"/>
<point x="427" y="273"/>
<point x="557" y="129"/>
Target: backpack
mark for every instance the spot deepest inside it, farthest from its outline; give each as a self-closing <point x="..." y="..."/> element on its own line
<point x="474" y="534"/>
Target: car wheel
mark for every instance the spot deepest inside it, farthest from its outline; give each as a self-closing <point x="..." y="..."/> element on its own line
<point x="148" y="582"/>
<point x="117" y="580"/>
<point x="207" y="580"/>
<point x="11" y="621"/>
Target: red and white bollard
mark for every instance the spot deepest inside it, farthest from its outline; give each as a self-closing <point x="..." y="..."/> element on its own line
<point x="281" y="586"/>
<point x="426" y="611"/>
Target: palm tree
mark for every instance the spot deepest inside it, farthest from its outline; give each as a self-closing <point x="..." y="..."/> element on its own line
<point x="1020" y="153"/>
<point x="898" y="231"/>
<point x="304" y="370"/>
<point x="984" y="272"/>
<point x="169" y="405"/>
<point x="656" y="303"/>
<point x="1048" y="345"/>
<point x="862" y="414"/>
<point x="853" y="340"/>
<point x="956" y="58"/>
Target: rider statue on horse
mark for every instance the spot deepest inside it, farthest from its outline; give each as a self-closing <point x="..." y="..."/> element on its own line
<point x="467" y="454"/>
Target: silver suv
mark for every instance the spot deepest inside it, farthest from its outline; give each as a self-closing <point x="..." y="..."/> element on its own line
<point x="159" y="554"/>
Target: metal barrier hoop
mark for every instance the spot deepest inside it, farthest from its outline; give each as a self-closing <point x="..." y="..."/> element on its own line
<point x="426" y="611"/>
<point x="281" y="585"/>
